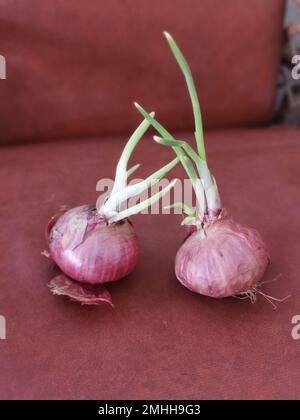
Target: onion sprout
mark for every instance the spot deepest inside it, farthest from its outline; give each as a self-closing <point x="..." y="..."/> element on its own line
<point x="204" y="183"/>
<point x="185" y="68"/>
<point x="121" y="192"/>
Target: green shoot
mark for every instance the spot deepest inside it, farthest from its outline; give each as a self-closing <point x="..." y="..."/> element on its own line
<point x="186" y="209"/>
<point x="133" y="169"/>
<point x="185" y="68"/>
<point x="187" y="164"/>
<point x="121" y="171"/>
<point x="179" y="143"/>
<point x="201" y="164"/>
<point x="187" y="220"/>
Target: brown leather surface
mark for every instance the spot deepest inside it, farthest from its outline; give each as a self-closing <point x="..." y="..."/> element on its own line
<point x="75" y="68"/>
<point x="161" y="340"/>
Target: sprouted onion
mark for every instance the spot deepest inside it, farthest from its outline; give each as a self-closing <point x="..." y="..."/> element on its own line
<point x="93" y="245"/>
<point x="219" y="257"/>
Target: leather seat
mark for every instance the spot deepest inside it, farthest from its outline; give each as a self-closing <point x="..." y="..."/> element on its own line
<point x="161" y="341"/>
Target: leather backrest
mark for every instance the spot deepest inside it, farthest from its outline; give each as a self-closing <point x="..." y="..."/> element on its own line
<point x="75" y="67"/>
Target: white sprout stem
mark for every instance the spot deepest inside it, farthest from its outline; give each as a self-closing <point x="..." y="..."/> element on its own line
<point x="143" y="205"/>
<point x="121" y="171"/>
<point x="207" y="179"/>
<point x="185" y="68"/>
<point x="198" y="187"/>
<point x="187" y="164"/>
<point x="210" y="186"/>
<point x="113" y="203"/>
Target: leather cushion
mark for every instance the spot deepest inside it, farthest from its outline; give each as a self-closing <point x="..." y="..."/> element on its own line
<point x="161" y="340"/>
<point x="75" y="68"/>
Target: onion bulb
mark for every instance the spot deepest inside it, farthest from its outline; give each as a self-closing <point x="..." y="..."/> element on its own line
<point x="219" y="257"/>
<point x="229" y="260"/>
<point x="93" y="245"/>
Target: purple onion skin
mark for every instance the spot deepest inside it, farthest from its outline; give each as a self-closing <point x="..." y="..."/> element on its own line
<point x="89" y="250"/>
<point x="230" y="260"/>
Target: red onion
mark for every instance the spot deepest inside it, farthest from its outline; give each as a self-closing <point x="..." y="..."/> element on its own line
<point x="219" y="257"/>
<point x="229" y="260"/>
<point x="95" y="245"/>
<point x="88" y="249"/>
